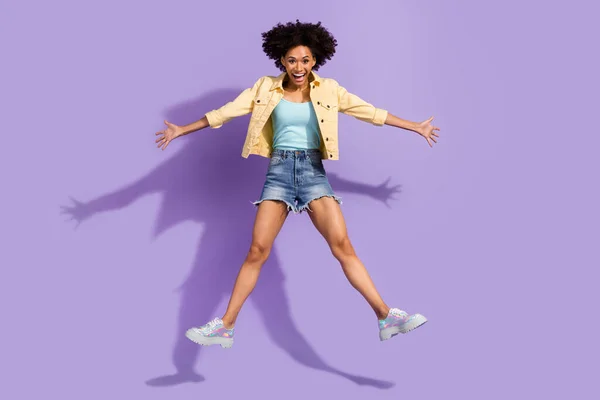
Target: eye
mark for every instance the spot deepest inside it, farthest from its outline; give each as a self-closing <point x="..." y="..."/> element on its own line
<point x="305" y="61"/>
<point x="291" y="61"/>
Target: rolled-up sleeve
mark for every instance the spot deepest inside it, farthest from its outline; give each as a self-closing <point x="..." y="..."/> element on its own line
<point x="356" y="107"/>
<point x="241" y="105"/>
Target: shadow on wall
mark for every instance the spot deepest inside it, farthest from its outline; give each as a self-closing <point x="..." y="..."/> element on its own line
<point x="208" y="181"/>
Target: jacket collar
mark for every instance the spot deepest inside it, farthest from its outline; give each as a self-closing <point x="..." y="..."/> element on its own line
<point x="278" y="83"/>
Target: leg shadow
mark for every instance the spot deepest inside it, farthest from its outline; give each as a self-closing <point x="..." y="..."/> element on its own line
<point x="272" y="302"/>
<point x="203" y="290"/>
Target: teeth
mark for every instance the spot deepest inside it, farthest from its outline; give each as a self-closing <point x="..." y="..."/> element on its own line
<point x="298" y="75"/>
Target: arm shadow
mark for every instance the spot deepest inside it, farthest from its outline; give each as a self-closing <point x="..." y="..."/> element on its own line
<point x="207" y="181"/>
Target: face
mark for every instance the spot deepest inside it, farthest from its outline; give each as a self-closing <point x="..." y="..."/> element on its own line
<point x="298" y="63"/>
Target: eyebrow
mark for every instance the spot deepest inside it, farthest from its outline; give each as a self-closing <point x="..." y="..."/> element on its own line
<point x="295" y="57"/>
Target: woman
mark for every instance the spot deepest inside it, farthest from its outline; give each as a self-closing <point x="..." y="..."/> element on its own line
<point x="294" y="123"/>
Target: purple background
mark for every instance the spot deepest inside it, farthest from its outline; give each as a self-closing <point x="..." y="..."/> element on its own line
<point x="492" y="236"/>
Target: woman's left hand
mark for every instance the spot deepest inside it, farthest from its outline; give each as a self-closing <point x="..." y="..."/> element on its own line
<point x="427" y="130"/>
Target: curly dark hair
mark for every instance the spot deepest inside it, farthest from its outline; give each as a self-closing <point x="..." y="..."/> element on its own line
<point x="281" y="38"/>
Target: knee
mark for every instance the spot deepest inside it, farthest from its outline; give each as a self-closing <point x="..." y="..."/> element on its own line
<point x="258" y="253"/>
<point x="342" y="248"/>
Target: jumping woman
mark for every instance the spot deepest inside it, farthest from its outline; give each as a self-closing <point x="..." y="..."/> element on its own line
<point x="294" y="123"/>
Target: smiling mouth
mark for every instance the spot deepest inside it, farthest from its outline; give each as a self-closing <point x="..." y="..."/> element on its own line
<point x="299" y="75"/>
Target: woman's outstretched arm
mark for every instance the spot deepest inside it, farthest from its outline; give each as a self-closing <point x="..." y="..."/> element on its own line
<point x="241" y="105"/>
<point x="424" y="128"/>
<point x="356" y="107"/>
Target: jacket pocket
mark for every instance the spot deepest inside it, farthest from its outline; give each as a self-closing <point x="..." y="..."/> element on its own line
<point x="259" y="106"/>
<point x="327" y="105"/>
<point x="260" y="101"/>
<point x="326" y="111"/>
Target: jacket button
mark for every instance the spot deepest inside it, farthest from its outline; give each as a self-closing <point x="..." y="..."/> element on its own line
<point x="318" y="102"/>
<point x="326" y="139"/>
<point x="258" y="101"/>
<point x="322" y="121"/>
<point x="327" y="105"/>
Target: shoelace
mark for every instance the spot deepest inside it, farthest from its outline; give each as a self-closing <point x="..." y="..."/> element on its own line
<point x="397" y="312"/>
<point x="214" y="323"/>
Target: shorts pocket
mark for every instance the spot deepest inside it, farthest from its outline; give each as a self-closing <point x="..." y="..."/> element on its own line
<point x="275" y="160"/>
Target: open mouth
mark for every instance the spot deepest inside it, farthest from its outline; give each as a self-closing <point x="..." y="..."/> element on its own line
<point x="299" y="76"/>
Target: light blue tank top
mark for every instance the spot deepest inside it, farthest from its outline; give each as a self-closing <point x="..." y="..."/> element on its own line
<point x="295" y="126"/>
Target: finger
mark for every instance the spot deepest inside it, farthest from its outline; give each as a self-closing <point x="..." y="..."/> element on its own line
<point x="166" y="144"/>
<point x="160" y="132"/>
<point x="432" y="138"/>
<point x="429" y="141"/>
<point x="430" y="119"/>
<point x="160" y="139"/>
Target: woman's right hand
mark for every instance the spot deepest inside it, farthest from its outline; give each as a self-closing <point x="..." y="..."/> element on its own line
<point x="165" y="136"/>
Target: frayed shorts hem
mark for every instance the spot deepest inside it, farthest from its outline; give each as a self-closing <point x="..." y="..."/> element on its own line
<point x="299" y="209"/>
<point x="290" y="207"/>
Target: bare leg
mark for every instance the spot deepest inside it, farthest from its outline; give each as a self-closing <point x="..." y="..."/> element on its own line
<point x="327" y="217"/>
<point x="269" y="219"/>
<point x="272" y="302"/>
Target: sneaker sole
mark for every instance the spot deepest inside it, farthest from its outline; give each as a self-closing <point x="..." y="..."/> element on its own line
<point x="389" y="333"/>
<point x="208" y="341"/>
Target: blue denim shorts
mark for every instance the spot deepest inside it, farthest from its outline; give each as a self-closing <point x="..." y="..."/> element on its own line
<point x="296" y="177"/>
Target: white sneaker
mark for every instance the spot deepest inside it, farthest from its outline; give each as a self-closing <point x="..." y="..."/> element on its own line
<point x="213" y="332"/>
<point x="399" y="321"/>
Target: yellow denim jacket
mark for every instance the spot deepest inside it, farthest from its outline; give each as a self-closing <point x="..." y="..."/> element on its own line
<point x="327" y="97"/>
